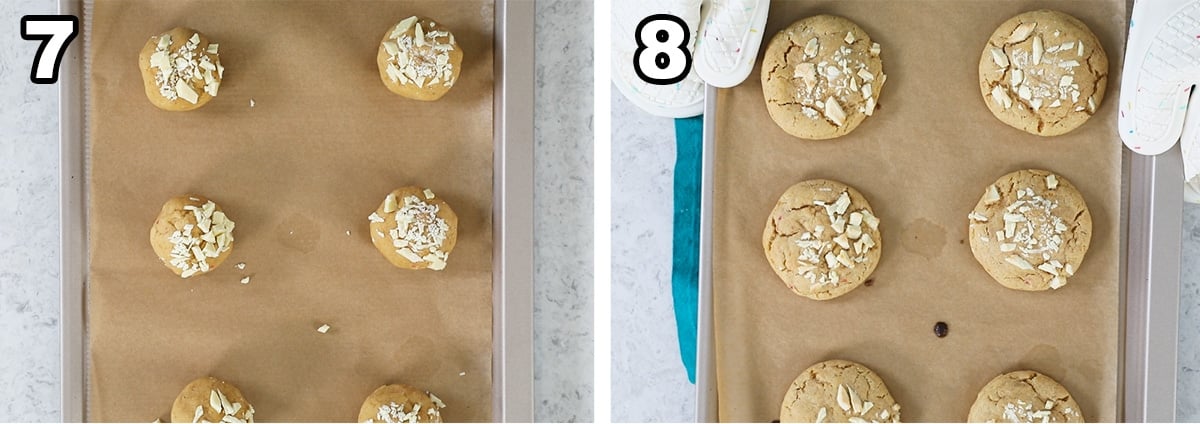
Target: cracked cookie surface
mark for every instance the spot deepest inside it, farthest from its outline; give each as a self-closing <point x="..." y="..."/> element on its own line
<point x="822" y="239"/>
<point x="1030" y="230"/>
<point x="821" y="77"/>
<point x="838" y="391"/>
<point x="1024" y="397"/>
<point x="1043" y="72"/>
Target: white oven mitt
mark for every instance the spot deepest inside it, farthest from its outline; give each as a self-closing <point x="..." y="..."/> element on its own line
<point x="1189" y="143"/>
<point x="729" y="37"/>
<point x="1158" y="105"/>
<point x="680" y="100"/>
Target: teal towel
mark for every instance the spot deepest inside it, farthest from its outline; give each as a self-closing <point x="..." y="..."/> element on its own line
<point x="685" y="269"/>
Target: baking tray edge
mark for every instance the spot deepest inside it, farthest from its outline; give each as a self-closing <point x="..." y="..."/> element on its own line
<point x="512" y="320"/>
<point x="1148" y="337"/>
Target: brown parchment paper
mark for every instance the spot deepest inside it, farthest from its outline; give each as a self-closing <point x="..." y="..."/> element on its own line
<point x="922" y="161"/>
<point x="324" y="143"/>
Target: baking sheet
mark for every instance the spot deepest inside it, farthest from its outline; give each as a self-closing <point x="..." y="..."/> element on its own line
<point x="324" y="142"/>
<point x="922" y="161"/>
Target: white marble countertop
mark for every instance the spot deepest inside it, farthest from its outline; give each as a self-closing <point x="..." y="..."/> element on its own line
<point x="649" y="381"/>
<point x="29" y="231"/>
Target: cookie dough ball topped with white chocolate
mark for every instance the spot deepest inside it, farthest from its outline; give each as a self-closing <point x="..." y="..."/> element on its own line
<point x="1043" y="72"/>
<point x="399" y="403"/>
<point x="180" y="69"/>
<point x="414" y="229"/>
<point x="210" y="400"/>
<point x="192" y="235"/>
<point x="419" y="59"/>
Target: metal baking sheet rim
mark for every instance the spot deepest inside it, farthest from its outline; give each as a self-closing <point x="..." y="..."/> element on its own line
<point x="1152" y="194"/>
<point x="512" y="328"/>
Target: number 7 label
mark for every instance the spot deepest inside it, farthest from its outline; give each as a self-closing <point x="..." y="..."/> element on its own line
<point x="56" y="33"/>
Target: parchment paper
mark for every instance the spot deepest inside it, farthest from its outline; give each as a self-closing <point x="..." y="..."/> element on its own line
<point x="922" y="161"/>
<point x="324" y="143"/>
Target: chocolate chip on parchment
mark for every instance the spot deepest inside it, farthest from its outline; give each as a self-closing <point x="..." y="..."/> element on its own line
<point x="941" y="329"/>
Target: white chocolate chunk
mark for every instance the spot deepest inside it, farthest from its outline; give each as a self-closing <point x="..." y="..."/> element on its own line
<point x="855" y="401"/>
<point x="1000" y="96"/>
<point x="991" y="196"/>
<point x="811" y="48"/>
<point x="1019" y="262"/>
<point x="214" y="401"/>
<point x="1021" y="32"/>
<point x="185" y="91"/>
<point x="843" y="398"/>
<point x="998" y="57"/>
<point x="389" y="203"/>
<point x="834" y="112"/>
<point x="1037" y="50"/>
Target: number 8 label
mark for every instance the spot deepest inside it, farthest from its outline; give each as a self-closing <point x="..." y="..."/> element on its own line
<point x="662" y="56"/>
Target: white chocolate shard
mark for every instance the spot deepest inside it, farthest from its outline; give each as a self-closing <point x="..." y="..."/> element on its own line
<point x="1021" y="32"/>
<point x="1038" y="50"/>
<point x="999" y="57"/>
<point x="1019" y="262"/>
<point x="811" y="48"/>
<point x="834" y="112"/>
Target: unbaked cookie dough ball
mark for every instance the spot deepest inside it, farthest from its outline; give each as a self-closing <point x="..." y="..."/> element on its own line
<point x="192" y="235"/>
<point x="821" y="77"/>
<point x="822" y="239"/>
<point x="208" y="399"/>
<point x="398" y="403"/>
<point x="1030" y="230"/>
<point x="414" y="229"/>
<point x="180" y="69"/>
<point x="1043" y="72"/>
<point x="838" y="391"/>
<point x="419" y="59"/>
<point x="1024" y="397"/>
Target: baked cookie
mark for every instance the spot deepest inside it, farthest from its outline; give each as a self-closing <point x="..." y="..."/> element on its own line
<point x="180" y="69"/>
<point x="419" y="59"/>
<point x="414" y="229"/>
<point x="398" y="403"/>
<point x="1024" y="397"/>
<point x="1030" y="230"/>
<point x="838" y="391"/>
<point x="192" y="235"/>
<point x="1043" y="72"/>
<point x="208" y="399"/>
<point x="822" y="239"/>
<point x="821" y="77"/>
